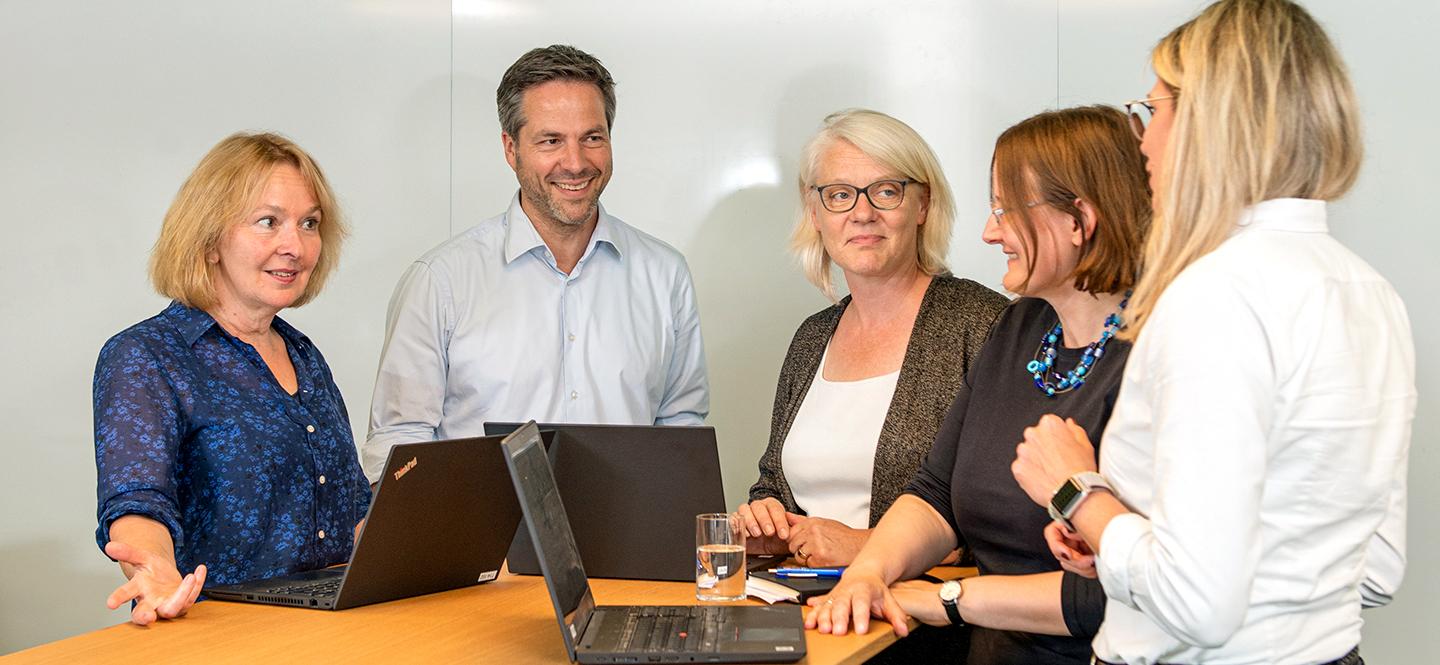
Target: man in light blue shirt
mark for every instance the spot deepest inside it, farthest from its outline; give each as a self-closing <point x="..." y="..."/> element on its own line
<point x="554" y="310"/>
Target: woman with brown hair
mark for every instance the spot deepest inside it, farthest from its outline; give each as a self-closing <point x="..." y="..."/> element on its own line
<point x="1070" y="210"/>
<point x="1253" y="489"/>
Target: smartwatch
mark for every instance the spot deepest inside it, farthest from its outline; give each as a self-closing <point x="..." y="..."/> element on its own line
<point x="950" y="593"/>
<point x="1066" y="500"/>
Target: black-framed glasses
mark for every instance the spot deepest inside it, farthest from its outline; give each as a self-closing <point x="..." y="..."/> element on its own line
<point x="1140" y="112"/>
<point x="882" y="194"/>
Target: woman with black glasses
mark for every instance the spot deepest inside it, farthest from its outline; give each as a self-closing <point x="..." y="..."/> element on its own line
<point x="865" y="382"/>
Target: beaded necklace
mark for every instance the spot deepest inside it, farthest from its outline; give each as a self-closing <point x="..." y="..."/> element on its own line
<point x="1049" y="380"/>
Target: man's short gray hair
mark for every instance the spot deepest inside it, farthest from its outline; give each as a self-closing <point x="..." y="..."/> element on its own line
<point x="557" y="62"/>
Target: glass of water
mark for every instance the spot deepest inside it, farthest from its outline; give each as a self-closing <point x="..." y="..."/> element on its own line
<point x="719" y="556"/>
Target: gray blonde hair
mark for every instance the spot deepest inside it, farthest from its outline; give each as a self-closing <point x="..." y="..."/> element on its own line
<point x="1264" y="110"/>
<point x="895" y="145"/>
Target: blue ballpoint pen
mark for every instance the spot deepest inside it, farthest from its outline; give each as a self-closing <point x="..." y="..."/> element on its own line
<point x="807" y="572"/>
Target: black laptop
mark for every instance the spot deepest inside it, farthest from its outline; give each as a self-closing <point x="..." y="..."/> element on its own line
<point x="635" y="634"/>
<point x="442" y="518"/>
<point x="658" y="476"/>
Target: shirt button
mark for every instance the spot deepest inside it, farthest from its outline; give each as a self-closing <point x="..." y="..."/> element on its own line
<point x="574" y="395"/>
<point x="322" y="479"/>
<point x="572" y="337"/>
<point x="310" y="428"/>
<point x="322" y="534"/>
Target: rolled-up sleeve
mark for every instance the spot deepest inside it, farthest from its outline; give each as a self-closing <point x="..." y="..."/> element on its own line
<point x="138" y="433"/>
<point x="1082" y="603"/>
<point x="409" y="398"/>
<point x="687" y="387"/>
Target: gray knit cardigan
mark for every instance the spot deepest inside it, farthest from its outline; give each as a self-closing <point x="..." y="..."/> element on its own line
<point x="952" y="324"/>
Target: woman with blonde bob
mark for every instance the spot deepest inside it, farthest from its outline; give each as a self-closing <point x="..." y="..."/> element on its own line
<point x="222" y="445"/>
<point x="1251" y="494"/>
<point x="866" y="382"/>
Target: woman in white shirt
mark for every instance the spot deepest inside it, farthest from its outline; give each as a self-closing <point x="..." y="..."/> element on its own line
<point x="1257" y="455"/>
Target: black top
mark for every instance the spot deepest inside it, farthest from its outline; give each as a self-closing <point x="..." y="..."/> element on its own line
<point x="967" y="477"/>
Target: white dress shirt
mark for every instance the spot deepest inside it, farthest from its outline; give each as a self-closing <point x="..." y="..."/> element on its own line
<point x="829" y="453"/>
<point x="1261" y="438"/>
<point x="487" y="328"/>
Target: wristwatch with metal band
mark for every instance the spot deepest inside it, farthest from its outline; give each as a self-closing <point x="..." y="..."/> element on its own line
<point x="950" y="593"/>
<point x="1072" y="493"/>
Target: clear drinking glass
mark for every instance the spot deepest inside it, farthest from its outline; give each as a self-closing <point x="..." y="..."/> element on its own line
<point x="719" y="556"/>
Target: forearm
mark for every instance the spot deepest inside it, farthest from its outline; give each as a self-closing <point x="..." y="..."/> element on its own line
<point x="1027" y="603"/>
<point x="143" y="533"/>
<point x="909" y="539"/>
<point x="1094" y="515"/>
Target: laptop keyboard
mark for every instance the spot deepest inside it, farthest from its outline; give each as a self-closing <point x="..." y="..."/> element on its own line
<point x="673" y="628"/>
<point x="326" y="587"/>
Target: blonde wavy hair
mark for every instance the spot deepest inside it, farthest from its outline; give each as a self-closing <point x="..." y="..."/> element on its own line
<point x="895" y="145"/>
<point x="1264" y="110"/>
<point x="221" y="190"/>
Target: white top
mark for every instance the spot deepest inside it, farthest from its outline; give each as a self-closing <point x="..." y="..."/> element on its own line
<point x="487" y="328"/>
<point x="1261" y="437"/>
<point x="829" y="453"/>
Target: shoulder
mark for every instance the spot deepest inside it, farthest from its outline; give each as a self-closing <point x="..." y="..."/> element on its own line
<point x="647" y="251"/>
<point x="149" y="338"/>
<point x="954" y="303"/>
<point x="820" y="326"/>
<point x="148" y="348"/>
<point x="474" y="246"/>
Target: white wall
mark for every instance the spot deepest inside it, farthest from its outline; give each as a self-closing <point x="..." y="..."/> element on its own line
<point x="105" y="107"/>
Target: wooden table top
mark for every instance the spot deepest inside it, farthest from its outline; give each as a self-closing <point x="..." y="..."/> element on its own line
<point x="509" y="620"/>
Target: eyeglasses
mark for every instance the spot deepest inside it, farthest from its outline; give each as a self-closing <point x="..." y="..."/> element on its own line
<point x="1141" y="111"/>
<point x="882" y="194"/>
<point x="999" y="213"/>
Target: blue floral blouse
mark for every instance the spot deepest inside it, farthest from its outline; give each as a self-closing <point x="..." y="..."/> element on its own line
<point x="193" y="431"/>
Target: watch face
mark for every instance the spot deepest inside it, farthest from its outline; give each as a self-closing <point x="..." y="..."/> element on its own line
<point x="950" y="590"/>
<point x="1065" y="496"/>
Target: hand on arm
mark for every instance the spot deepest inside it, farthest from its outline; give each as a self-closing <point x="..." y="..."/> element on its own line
<point x="910" y="538"/>
<point x="145" y="551"/>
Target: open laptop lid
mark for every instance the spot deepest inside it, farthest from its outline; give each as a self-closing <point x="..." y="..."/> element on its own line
<point x="549" y="529"/>
<point x="660" y="476"/>
<point x="442" y="518"/>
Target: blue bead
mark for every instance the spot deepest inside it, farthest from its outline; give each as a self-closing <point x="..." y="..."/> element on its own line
<point x="1050" y="392"/>
<point x="1080" y="371"/>
<point x="1099" y="352"/>
<point x="1033" y="366"/>
<point x="1064" y="383"/>
<point x="1051" y="338"/>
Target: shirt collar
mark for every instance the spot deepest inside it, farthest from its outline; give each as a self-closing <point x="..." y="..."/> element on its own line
<point x="521" y="236"/>
<point x="193" y="324"/>
<point x="1299" y="215"/>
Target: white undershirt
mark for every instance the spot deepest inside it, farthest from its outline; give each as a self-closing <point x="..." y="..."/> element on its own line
<point x="829" y="454"/>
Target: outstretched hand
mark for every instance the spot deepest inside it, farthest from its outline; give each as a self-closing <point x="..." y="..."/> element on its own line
<point x="156" y="586"/>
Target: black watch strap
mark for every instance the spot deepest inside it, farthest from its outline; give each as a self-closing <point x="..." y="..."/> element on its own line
<point x="952" y="610"/>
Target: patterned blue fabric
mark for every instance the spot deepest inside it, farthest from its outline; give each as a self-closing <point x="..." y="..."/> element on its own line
<point x="193" y="430"/>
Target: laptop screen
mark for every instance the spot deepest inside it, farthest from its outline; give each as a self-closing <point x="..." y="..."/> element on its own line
<point x="550" y="531"/>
